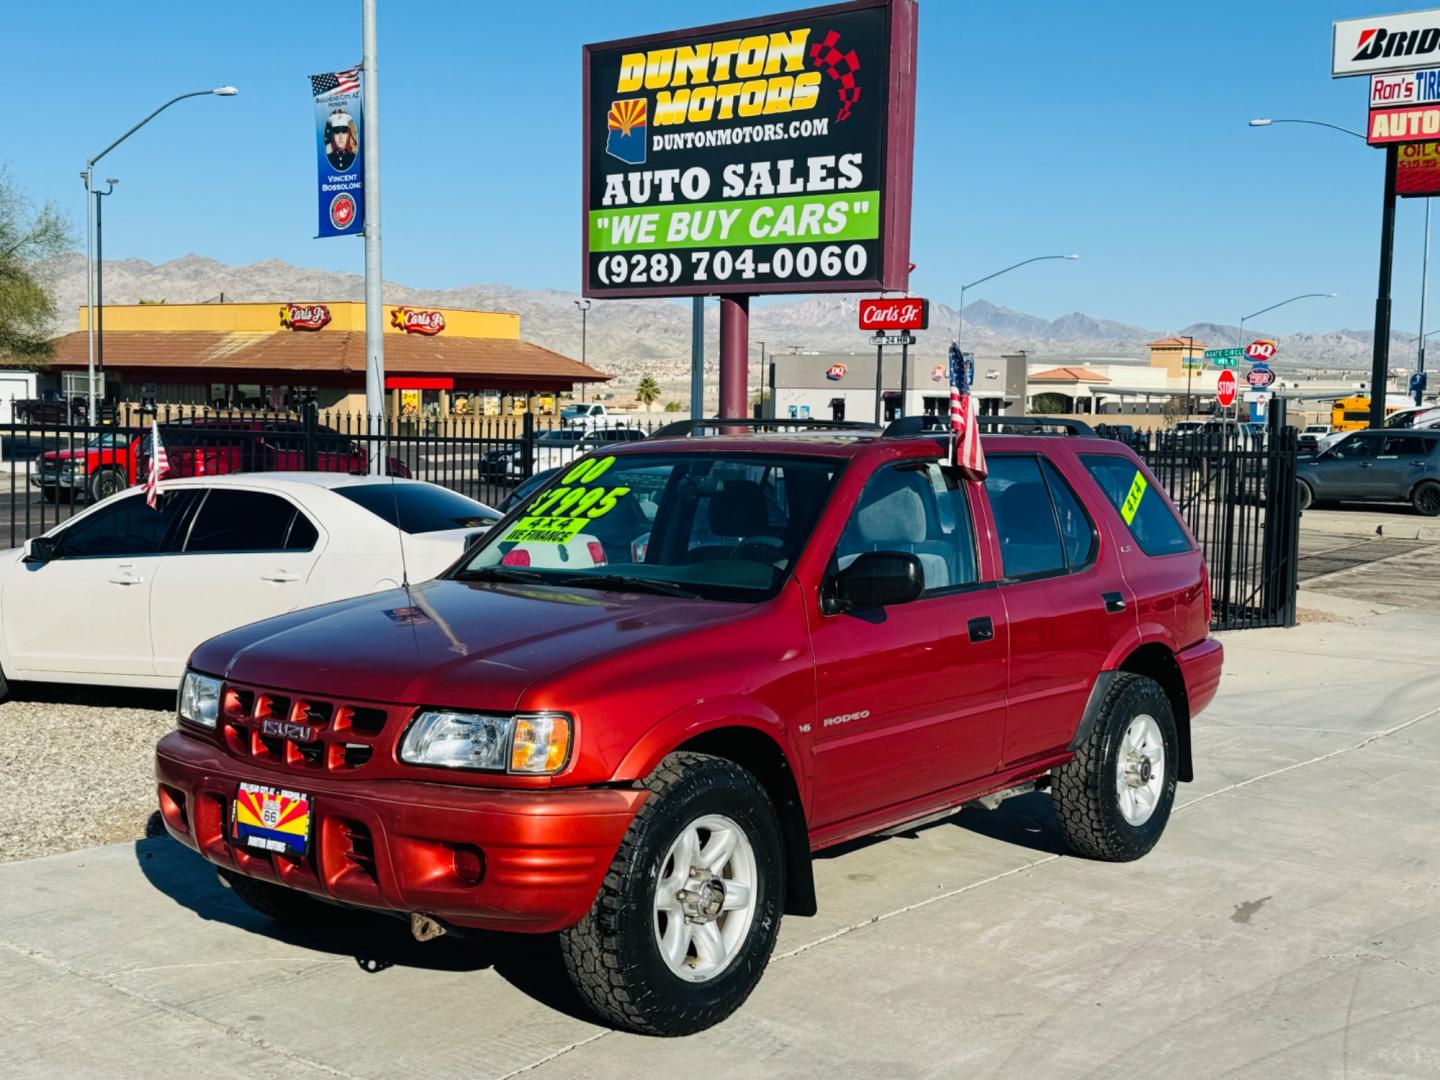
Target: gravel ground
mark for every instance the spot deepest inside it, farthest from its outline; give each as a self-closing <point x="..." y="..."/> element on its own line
<point x="77" y="767"/>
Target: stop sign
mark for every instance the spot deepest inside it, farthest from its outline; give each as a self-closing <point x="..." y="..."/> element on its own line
<point x="1225" y="389"/>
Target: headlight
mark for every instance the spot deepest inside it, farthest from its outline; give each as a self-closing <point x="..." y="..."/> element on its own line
<point x="199" y="699"/>
<point x="535" y="744"/>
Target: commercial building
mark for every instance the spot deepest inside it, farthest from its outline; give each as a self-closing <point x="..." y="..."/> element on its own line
<point x="438" y="362"/>
<point x="842" y="386"/>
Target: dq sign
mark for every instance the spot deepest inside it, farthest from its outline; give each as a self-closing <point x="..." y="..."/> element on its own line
<point x="1261" y="351"/>
<point x="836" y="372"/>
<point x="908" y="313"/>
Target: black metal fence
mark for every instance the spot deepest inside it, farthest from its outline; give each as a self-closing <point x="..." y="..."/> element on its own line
<point x="1235" y="487"/>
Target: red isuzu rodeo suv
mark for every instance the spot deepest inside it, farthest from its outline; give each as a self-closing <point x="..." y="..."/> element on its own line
<point x="632" y="712"/>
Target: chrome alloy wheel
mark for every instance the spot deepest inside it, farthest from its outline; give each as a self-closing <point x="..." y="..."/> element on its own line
<point x="705" y="898"/>
<point x="1140" y="769"/>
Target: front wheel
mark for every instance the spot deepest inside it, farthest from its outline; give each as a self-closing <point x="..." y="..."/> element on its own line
<point x="1426" y="498"/>
<point x="1114" y="796"/>
<point x="1304" y="494"/>
<point x="105" y="483"/>
<point x="684" y="924"/>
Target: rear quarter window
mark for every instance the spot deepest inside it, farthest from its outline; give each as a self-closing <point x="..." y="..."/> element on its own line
<point x="1144" y="512"/>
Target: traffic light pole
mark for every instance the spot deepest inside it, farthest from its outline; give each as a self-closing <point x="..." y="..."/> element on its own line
<point x="1380" y="365"/>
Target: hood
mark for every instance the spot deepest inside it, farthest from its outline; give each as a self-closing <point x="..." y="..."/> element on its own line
<point x="53" y="456"/>
<point x="460" y="644"/>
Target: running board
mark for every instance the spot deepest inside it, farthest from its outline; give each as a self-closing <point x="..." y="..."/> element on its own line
<point x="989" y="802"/>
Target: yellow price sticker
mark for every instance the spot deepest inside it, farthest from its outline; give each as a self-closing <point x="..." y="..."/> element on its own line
<point x="1131" y="506"/>
<point x="545" y="530"/>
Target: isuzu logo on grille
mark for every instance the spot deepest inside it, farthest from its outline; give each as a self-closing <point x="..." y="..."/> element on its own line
<point x="283" y="729"/>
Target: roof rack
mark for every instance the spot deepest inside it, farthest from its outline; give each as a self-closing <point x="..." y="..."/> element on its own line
<point x="909" y="427"/>
<point x="714" y="425"/>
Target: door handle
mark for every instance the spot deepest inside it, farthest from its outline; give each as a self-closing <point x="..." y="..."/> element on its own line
<point x="124" y="577"/>
<point x="981" y="629"/>
<point x="1366" y="465"/>
<point x="1114" y="602"/>
<point x="279" y="576"/>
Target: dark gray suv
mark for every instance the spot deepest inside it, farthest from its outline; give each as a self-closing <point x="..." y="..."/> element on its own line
<point x="1376" y="466"/>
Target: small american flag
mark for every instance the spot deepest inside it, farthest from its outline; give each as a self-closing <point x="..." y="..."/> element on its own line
<point x="965" y="432"/>
<point x="159" y="466"/>
<point x="340" y="82"/>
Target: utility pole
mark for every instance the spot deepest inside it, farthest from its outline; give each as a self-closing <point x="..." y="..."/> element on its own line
<point x="374" y="314"/>
<point x="584" y="306"/>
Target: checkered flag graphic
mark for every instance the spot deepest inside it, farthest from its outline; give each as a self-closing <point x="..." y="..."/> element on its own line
<point x="840" y="66"/>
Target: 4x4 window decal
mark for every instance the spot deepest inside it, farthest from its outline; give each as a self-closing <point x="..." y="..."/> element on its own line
<point x="1131" y="505"/>
<point x="564" y="511"/>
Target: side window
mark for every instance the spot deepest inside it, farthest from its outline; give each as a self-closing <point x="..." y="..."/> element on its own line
<point x="1077" y="531"/>
<point x="1357" y="447"/>
<point x="1410" y="446"/>
<point x="232" y="520"/>
<point x="126" y="527"/>
<point x="919" y="510"/>
<point x="1025" y="521"/>
<point x="1144" y="512"/>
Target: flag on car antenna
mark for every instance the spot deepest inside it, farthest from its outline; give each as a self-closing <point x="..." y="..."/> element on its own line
<point x="965" y="452"/>
<point x="159" y="466"/>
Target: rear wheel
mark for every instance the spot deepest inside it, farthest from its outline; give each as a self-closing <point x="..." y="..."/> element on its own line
<point x="684" y="924"/>
<point x="105" y="483"/>
<point x="1426" y="498"/>
<point x="50" y="494"/>
<point x="1304" y="494"/>
<point x="1113" y="797"/>
<point x="284" y="905"/>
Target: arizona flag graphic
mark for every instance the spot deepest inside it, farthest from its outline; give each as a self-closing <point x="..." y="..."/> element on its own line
<point x="626" y="140"/>
<point x="272" y="820"/>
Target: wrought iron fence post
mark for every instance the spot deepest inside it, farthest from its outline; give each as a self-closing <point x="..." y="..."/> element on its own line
<point x="308" y="409"/>
<point x="527" y="446"/>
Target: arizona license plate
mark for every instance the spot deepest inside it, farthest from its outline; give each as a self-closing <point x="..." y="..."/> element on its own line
<point x="272" y="819"/>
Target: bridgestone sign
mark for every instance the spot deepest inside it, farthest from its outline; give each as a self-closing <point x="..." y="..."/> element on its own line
<point x="767" y="155"/>
<point x="1381" y="43"/>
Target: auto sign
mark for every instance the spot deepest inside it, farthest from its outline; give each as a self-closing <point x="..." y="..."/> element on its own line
<point x="1260" y="376"/>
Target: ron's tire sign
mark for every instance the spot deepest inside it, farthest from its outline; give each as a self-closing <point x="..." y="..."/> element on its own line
<point x="1225" y="389"/>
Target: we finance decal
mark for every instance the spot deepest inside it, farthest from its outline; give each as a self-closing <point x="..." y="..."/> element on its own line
<point x="751" y="157"/>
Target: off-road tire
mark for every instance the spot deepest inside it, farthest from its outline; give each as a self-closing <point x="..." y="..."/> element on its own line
<point x="611" y="955"/>
<point x="50" y="494"/>
<point x="1086" y="803"/>
<point x="1426" y="498"/>
<point x="288" y="906"/>
<point x="1304" y="495"/>
<point x="104" y="483"/>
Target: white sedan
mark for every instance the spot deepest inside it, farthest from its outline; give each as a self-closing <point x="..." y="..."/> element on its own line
<point x="120" y="594"/>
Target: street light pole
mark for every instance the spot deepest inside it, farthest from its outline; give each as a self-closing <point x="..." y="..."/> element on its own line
<point x="1424" y="290"/>
<point x="1246" y="318"/>
<point x="99" y="291"/>
<point x="91" y="269"/>
<point x="374" y="275"/>
<point x="960" y="315"/>
<point x="584" y="306"/>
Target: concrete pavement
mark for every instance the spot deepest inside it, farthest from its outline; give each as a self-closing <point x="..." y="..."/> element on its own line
<point x="1287" y="925"/>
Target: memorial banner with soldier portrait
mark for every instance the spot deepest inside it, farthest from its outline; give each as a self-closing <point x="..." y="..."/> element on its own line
<point x="339" y="162"/>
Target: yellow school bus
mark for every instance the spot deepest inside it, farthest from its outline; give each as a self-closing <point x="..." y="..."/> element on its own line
<point x="1353" y="413"/>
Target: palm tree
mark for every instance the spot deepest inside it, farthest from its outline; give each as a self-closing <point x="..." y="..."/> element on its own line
<point x="648" y="392"/>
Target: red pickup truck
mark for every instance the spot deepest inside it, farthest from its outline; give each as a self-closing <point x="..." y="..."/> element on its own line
<point x="206" y="446"/>
<point x="632" y="712"/>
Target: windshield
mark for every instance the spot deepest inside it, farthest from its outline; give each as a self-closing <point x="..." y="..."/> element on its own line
<point x="701" y="525"/>
<point x="110" y="440"/>
<point x="575" y="410"/>
<point x="421" y="508"/>
<point x="559" y="437"/>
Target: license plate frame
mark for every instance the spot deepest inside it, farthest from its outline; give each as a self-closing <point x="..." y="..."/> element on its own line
<point x="273" y="820"/>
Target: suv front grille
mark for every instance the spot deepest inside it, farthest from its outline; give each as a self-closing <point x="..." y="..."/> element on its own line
<point x="300" y="732"/>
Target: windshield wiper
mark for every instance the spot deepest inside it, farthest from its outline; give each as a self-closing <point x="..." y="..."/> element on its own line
<point x="502" y="573"/>
<point x="627" y="583"/>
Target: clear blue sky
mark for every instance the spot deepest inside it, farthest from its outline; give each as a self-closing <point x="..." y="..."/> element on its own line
<point x="1116" y="130"/>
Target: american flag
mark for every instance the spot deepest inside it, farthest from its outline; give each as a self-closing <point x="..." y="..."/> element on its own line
<point x="965" y="432"/>
<point x="340" y="82"/>
<point x="159" y="466"/>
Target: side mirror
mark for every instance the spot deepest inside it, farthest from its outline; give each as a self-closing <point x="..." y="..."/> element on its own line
<point x="877" y="579"/>
<point x="41" y="549"/>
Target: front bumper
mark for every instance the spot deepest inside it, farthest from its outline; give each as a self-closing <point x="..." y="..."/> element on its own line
<point x="392" y="845"/>
<point x="57" y="480"/>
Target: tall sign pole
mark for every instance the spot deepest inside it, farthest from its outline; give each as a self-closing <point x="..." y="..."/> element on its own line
<point x="697" y="358"/>
<point x="734" y="354"/>
<point x="374" y="314"/>
<point x="1380" y="363"/>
